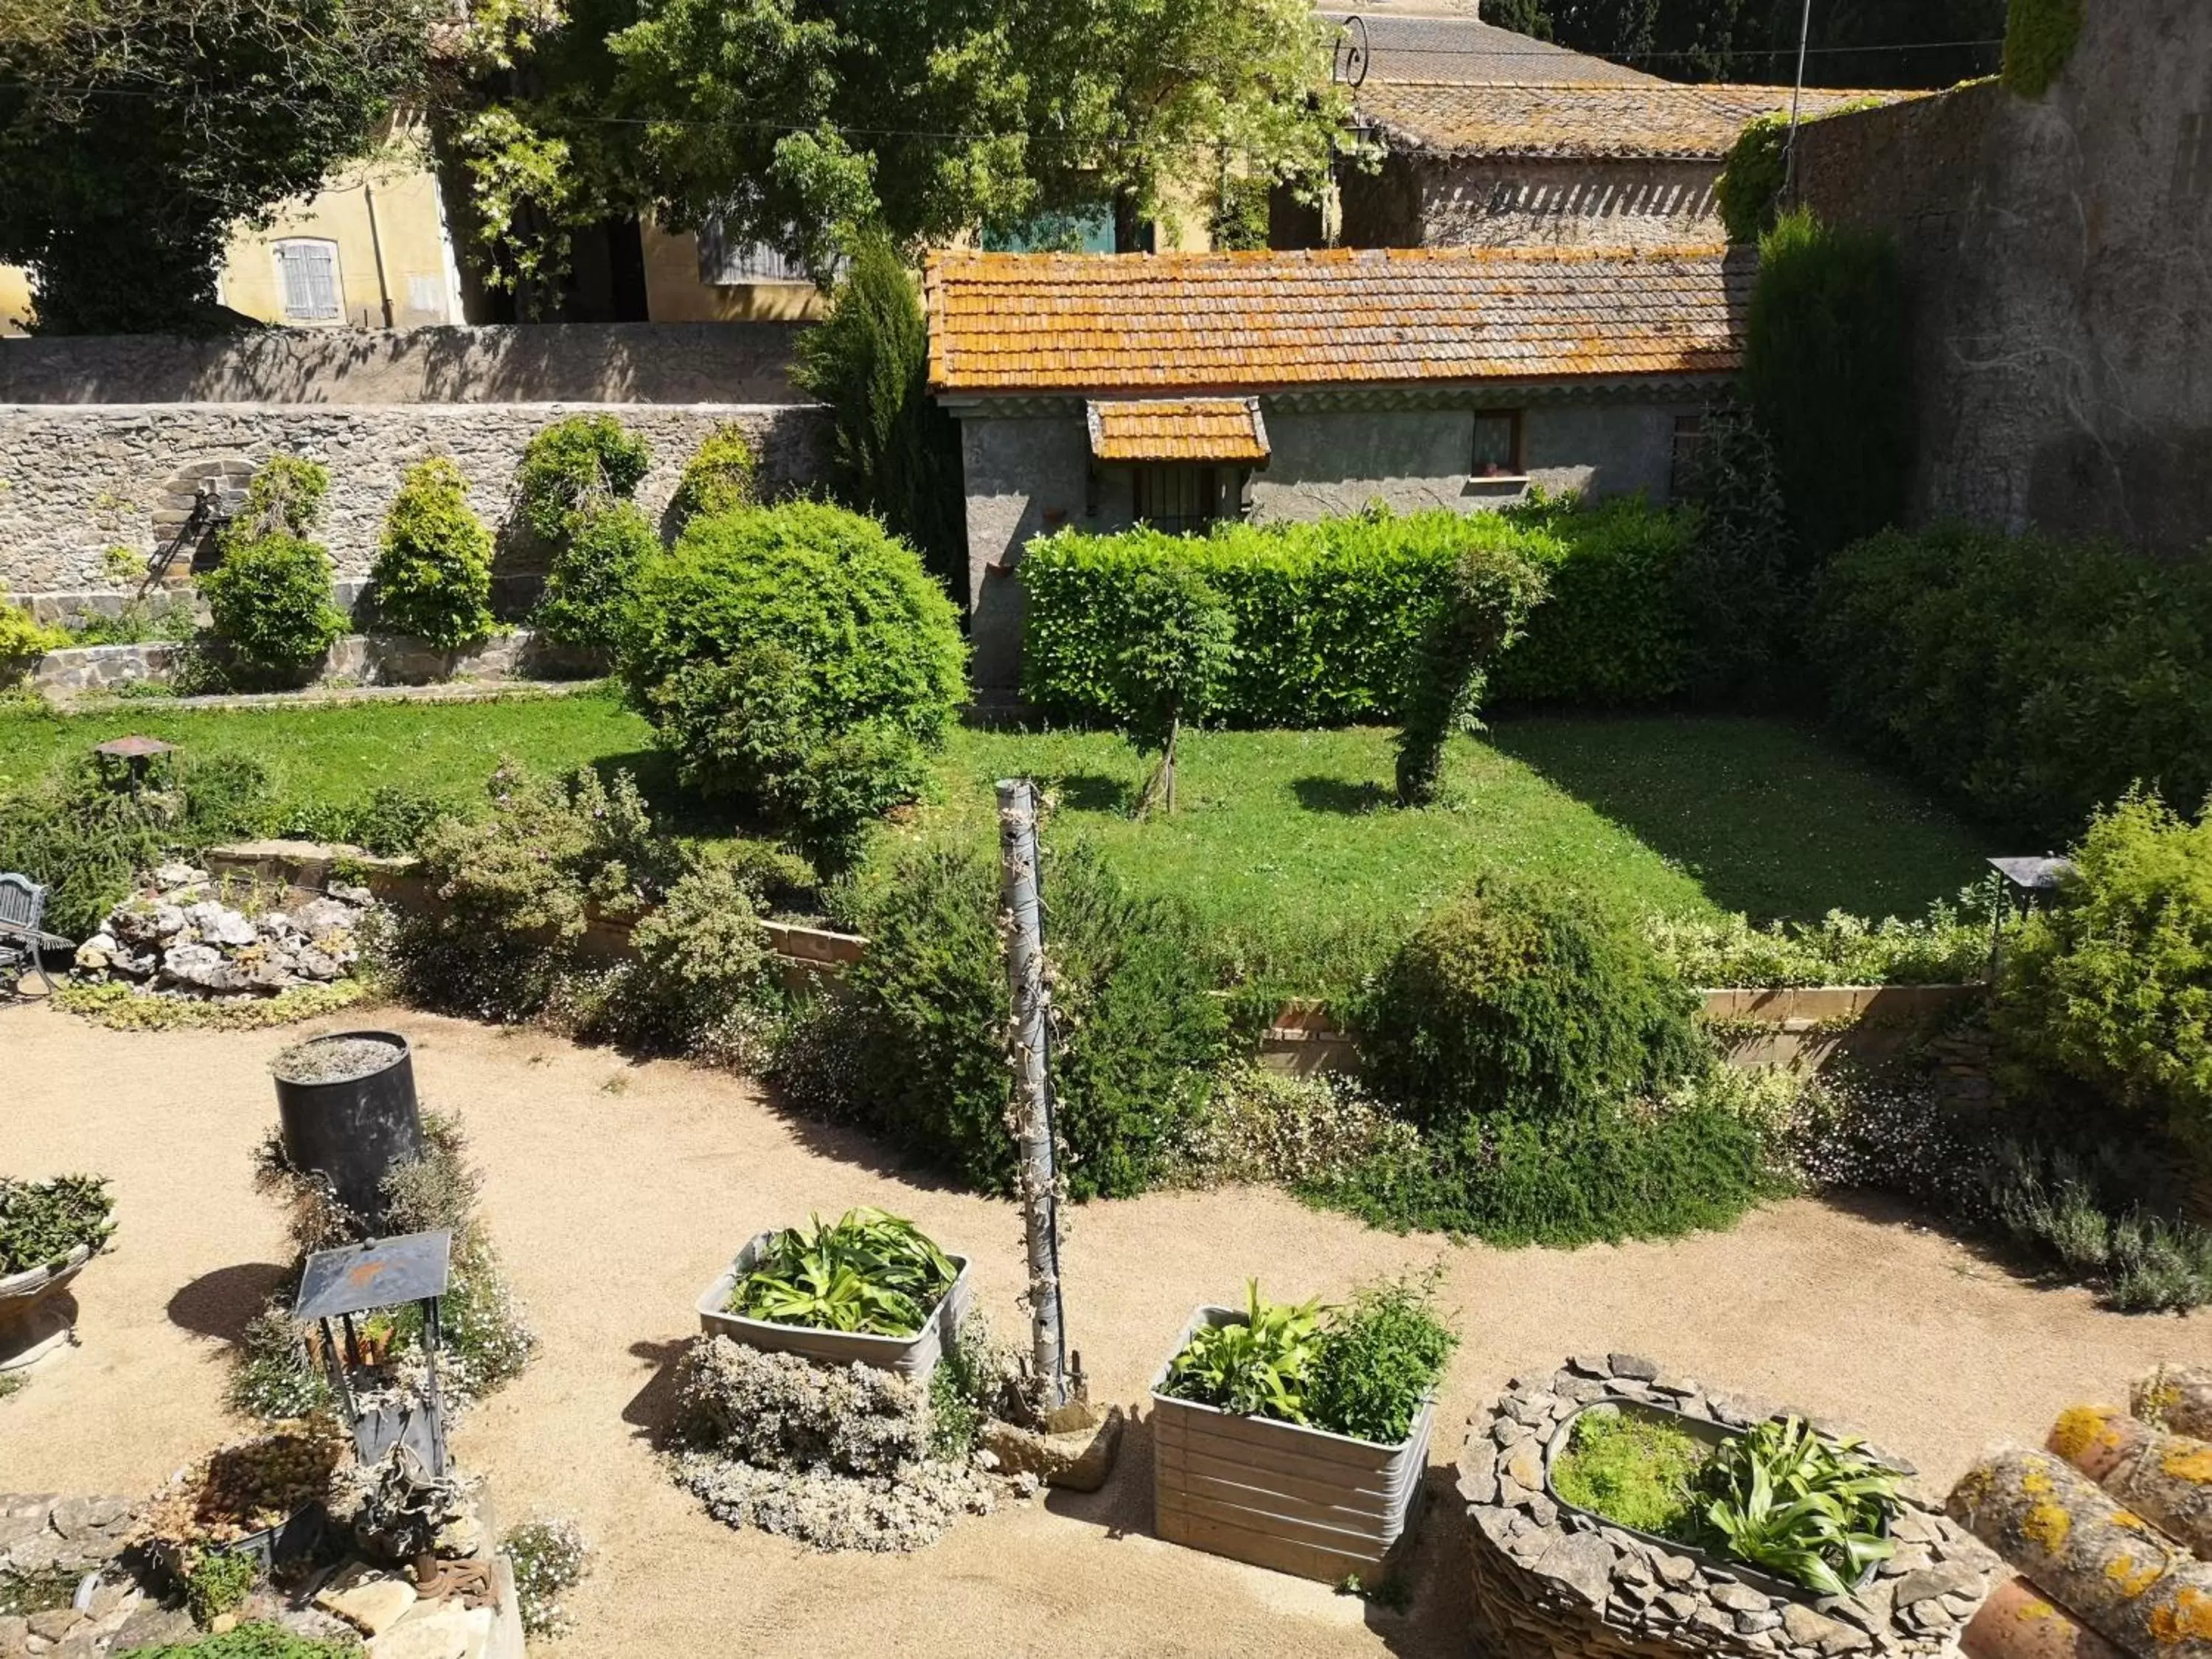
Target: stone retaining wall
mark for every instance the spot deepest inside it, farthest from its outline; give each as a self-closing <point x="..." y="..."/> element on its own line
<point x="76" y="481"/>
<point x="1551" y="1583"/>
<point x="358" y="658"/>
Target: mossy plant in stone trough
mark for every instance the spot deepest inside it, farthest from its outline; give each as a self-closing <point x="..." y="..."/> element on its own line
<point x="1634" y="1468"/>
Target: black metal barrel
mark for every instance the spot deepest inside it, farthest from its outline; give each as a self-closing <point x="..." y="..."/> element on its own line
<point x="354" y="1130"/>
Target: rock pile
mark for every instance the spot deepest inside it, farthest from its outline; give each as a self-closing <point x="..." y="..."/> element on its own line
<point x="50" y="1540"/>
<point x="186" y="935"/>
<point x="1551" y="1582"/>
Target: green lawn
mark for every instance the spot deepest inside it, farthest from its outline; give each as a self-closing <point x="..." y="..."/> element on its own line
<point x="1284" y="841"/>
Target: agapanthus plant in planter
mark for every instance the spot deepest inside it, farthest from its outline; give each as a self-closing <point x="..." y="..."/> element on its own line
<point x="1780" y="1504"/>
<point x="48" y="1230"/>
<point x="870" y="1287"/>
<point x="1294" y="1436"/>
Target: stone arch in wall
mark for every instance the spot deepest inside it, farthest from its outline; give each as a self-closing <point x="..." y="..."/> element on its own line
<point x="223" y="479"/>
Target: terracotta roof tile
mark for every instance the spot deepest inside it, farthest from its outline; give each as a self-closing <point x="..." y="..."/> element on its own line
<point x="1105" y="324"/>
<point x="1659" y="120"/>
<point x="1178" y="429"/>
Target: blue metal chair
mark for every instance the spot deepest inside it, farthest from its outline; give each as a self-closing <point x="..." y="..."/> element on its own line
<point x="23" y="906"/>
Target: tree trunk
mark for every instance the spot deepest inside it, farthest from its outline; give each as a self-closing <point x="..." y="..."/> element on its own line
<point x="2100" y="1562"/>
<point x="2177" y="1398"/>
<point x="2018" y="1622"/>
<point x="1168" y="763"/>
<point x="1128" y="224"/>
<point x="2164" y="1478"/>
<point x="1039" y="1182"/>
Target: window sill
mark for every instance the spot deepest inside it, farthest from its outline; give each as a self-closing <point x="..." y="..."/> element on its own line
<point x="1515" y="480"/>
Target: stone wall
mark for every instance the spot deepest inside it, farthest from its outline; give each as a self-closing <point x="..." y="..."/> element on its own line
<point x="1495" y="202"/>
<point x="2060" y="251"/>
<point x="78" y="480"/>
<point x="535" y="364"/>
<point x="1554" y="1583"/>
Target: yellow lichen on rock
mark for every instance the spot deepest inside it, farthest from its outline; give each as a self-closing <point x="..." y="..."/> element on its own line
<point x="2079" y="1428"/>
<point x="2131" y="1579"/>
<point x="2187" y="1618"/>
<point x="2189" y="1463"/>
<point x="2047" y="1525"/>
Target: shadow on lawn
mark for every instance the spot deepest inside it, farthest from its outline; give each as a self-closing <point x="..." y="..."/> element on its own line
<point x="220" y="1304"/>
<point x="1339" y="795"/>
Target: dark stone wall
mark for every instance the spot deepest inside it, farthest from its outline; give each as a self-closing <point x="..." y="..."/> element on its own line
<point x="2060" y="251"/>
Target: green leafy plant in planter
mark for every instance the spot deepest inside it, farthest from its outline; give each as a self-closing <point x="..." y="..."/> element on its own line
<point x="44" y="1221"/>
<point x="1796" y="1503"/>
<point x="1636" y="1468"/>
<point x="1361" y="1368"/>
<point x="219" y="1584"/>
<point x="870" y="1274"/>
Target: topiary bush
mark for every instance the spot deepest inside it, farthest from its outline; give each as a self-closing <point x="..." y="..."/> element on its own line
<point x="433" y="570"/>
<point x="1140" y="1038"/>
<point x="722" y="476"/>
<point x="1170" y="666"/>
<point x="603" y="547"/>
<point x="2113" y="987"/>
<point x="1524" y="1000"/>
<point x="1827" y="366"/>
<point x="269" y="603"/>
<point x="582" y="462"/>
<point x="798" y="662"/>
<point x="1487" y="595"/>
<point x="2035" y="679"/>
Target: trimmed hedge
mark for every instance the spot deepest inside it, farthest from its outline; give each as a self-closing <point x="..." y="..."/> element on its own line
<point x="2036" y="678"/>
<point x="1330" y="616"/>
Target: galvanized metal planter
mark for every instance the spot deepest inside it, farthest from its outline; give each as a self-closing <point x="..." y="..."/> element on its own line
<point x="1278" y="1495"/>
<point x="32" y="1322"/>
<point x="912" y="1356"/>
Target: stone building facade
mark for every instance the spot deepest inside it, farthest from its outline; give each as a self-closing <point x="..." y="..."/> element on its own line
<point x="2060" y="254"/>
<point x="85" y="473"/>
<point x="1094" y="394"/>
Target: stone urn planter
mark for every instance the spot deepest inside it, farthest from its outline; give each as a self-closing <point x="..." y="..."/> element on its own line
<point x="37" y="1313"/>
<point x="1280" y="1495"/>
<point x="914" y="1357"/>
<point x="1553" y="1581"/>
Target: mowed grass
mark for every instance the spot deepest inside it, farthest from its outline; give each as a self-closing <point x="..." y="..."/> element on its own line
<point x="1285" y="842"/>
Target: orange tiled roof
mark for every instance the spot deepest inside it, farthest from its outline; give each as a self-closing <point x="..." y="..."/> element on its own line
<point x="1133" y="324"/>
<point x="1178" y="429"/>
<point x="1659" y="121"/>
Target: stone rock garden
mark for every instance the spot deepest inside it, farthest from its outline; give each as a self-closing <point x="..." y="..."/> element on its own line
<point x="186" y="934"/>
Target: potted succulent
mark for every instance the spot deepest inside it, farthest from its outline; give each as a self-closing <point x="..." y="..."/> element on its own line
<point x="1296" y="1437"/>
<point x="244" y="1509"/>
<point x="1790" y="1511"/>
<point x="48" y="1230"/>
<point x="870" y="1287"/>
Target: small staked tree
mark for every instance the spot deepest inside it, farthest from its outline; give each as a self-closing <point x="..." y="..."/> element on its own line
<point x="1487" y="598"/>
<point x="1170" y="673"/>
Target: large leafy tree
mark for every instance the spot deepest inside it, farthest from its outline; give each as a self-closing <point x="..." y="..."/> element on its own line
<point x="796" y="122"/>
<point x="135" y="134"/>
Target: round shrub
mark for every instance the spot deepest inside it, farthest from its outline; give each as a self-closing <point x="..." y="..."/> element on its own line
<point x="573" y="464"/>
<point x="592" y="575"/>
<point x="432" y="572"/>
<point x="1134" y="1056"/>
<point x="798" y="662"/>
<point x="1523" y="999"/>
<point x="270" y="602"/>
<point x="721" y="477"/>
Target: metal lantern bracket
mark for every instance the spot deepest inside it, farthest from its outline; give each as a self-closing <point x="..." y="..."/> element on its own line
<point x="385" y="1273"/>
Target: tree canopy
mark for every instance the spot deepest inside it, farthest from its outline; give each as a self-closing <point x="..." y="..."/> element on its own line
<point x="134" y="134"/>
<point x="797" y="123"/>
<point x="1856" y="43"/>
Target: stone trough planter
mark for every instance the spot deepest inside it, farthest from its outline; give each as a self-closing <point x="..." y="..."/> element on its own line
<point x="1279" y="1495"/>
<point x="36" y="1314"/>
<point x="912" y="1356"/>
<point x="1551" y="1582"/>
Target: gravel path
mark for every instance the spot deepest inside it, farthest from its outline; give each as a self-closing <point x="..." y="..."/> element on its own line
<point x="616" y="1193"/>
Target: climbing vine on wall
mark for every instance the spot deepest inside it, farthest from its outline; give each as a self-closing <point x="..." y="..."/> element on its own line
<point x="2039" y="39"/>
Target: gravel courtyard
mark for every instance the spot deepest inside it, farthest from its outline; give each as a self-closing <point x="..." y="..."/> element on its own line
<point x="617" y="1192"/>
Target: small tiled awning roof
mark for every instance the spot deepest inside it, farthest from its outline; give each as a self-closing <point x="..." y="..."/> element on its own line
<point x="1178" y="429"/>
<point x="1658" y="121"/>
<point x="1106" y="326"/>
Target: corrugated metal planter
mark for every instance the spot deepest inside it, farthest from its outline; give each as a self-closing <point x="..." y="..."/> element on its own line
<point x="1278" y="1495"/>
<point x="912" y="1356"/>
<point x="32" y="1322"/>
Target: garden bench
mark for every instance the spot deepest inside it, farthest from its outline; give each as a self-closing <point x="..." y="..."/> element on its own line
<point x="23" y="905"/>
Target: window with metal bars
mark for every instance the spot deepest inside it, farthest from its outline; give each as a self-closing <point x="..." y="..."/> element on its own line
<point x="307" y="272"/>
<point x="1178" y="499"/>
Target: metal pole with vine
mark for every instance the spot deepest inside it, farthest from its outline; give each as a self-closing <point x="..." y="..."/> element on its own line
<point x="1038" y="1180"/>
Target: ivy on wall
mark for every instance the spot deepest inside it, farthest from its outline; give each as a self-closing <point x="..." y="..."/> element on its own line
<point x="1751" y="184"/>
<point x="2039" y="39"/>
